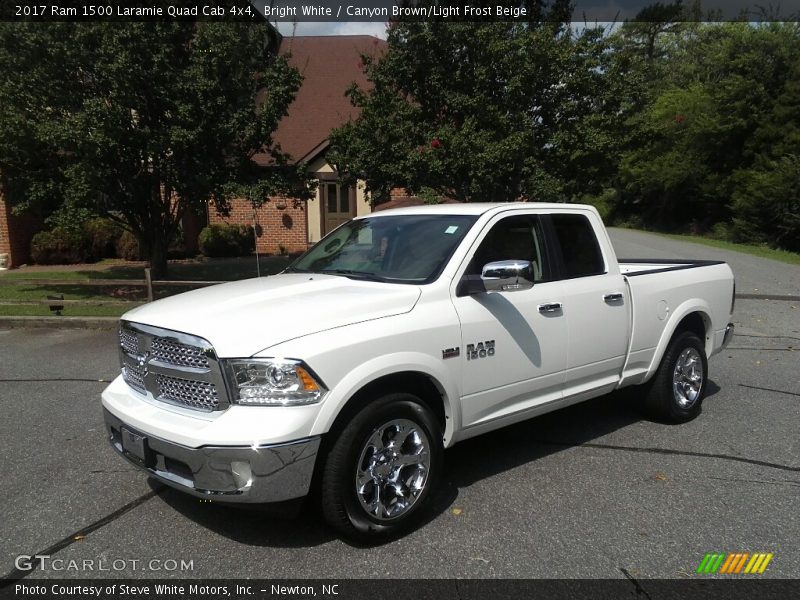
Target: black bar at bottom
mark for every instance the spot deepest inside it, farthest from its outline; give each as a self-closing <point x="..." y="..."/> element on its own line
<point x="703" y="587"/>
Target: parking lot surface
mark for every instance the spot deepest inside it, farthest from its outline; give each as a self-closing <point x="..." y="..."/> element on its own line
<point x="593" y="490"/>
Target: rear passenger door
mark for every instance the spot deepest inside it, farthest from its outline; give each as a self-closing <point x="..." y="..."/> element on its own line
<point x="595" y="305"/>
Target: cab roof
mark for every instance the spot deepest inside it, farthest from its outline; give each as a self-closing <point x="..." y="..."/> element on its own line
<point x="476" y="208"/>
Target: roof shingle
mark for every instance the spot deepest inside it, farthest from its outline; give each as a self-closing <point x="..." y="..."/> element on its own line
<point x="329" y="65"/>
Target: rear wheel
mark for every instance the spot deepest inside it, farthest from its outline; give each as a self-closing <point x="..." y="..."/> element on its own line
<point x="675" y="394"/>
<point x="381" y="469"/>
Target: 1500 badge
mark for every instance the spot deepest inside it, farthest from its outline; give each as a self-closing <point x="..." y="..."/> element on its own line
<point x="480" y="350"/>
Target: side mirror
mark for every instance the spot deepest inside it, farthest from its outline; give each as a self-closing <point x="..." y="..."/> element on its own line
<point x="507" y="276"/>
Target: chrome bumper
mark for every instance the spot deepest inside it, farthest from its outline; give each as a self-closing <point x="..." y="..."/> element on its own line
<point x="257" y="474"/>
<point x="728" y="335"/>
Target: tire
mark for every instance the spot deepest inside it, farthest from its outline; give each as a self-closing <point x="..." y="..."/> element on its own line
<point x="676" y="392"/>
<point x="381" y="469"/>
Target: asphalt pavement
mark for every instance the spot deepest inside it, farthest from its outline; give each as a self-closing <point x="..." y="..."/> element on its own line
<point x="590" y="491"/>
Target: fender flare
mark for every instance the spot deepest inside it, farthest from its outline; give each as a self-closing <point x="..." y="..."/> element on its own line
<point x="693" y="305"/>
<point x="391" y="364"/>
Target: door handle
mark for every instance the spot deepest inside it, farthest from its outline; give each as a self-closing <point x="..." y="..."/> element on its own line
<point x="550" y="308"/>
<point x="615" y="297"/>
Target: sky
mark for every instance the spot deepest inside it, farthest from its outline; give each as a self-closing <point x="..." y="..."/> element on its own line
<point x="340" y="28"/>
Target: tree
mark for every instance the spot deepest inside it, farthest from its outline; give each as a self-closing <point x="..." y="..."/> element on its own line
<point x="473" y="111"/>
<point x="705" y="119"/>
<point x="142" y="122"/>
<point x="767" y="203"/>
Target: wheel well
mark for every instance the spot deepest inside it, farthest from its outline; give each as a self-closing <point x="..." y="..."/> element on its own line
<point x="694" y="322"/>
<point x="412" y="382"/>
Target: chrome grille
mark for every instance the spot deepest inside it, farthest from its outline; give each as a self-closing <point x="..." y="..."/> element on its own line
<point x="173" y="367"/>
<point x="134" y="377"/>
<point x="128" y="341"/>
<point x="175" y="353"/>
<point x="195" y="394"/>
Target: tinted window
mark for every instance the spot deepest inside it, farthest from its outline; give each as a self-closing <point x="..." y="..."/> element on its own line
<point x="579" y="248"/>
<point x="513" y="238"/>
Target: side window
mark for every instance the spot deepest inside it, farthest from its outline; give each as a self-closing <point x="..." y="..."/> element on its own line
<point x="519" y="238"/>
<point x="579" y="247"/>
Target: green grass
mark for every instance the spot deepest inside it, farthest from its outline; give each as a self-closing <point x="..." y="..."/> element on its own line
<point x="199" y="270"/>
<point x="784" y="256"/>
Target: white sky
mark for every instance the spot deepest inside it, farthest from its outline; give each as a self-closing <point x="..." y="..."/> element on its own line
<point x="340" y="28"/>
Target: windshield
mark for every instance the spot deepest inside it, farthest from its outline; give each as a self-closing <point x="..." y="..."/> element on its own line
<point x="403" y="249"/>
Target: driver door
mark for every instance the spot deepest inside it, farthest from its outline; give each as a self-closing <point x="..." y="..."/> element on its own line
<point x="514" y="342"/>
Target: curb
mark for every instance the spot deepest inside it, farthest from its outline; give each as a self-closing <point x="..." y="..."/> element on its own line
<point x="59" y="322"/>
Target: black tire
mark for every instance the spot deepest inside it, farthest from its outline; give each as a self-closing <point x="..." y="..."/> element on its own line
<point x="672" y="396"/>
<point x="354" y="452"/>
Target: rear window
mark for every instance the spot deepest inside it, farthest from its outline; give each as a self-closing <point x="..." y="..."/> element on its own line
<point x="579" y="248"/>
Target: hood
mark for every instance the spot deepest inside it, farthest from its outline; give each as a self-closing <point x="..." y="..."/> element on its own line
<point x="242" y="318"/>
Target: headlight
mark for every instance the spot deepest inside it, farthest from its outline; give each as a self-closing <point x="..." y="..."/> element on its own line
<point x="272" y="382"/>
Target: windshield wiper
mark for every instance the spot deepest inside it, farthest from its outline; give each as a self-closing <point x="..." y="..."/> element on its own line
<point x="291" y="269"/>
<point x="363" y="275"/>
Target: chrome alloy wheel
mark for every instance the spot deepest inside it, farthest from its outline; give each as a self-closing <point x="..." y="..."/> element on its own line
<point x="687" y="378"/>
<point x="393" y="469"/>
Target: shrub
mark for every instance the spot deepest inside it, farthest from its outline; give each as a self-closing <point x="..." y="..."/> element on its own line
<point x="103" y="236"/>
<point x="61" y="246"/>
<point x="127" y="246"/>
<point x="766" y="204"/>
<point x="226" y="240"/>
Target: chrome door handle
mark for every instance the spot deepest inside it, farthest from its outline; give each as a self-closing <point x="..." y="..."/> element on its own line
<point x="550" y="308"/>
<point x="616" y="297"/>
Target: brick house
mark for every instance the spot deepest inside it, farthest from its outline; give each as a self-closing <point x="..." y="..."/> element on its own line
<point x="329" y="65"/>
<point x="16" y="232"/>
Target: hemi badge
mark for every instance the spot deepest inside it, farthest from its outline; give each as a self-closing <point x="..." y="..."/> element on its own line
<point x="451" y="352"/>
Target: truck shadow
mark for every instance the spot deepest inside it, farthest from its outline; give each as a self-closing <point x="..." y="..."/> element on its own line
<point x="547" y="434"/>
<point x="465" y="464"/>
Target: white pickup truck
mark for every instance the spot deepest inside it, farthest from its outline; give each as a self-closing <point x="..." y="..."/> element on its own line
<point x="398" y="335"/>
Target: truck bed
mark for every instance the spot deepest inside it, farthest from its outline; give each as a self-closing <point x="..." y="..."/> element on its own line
<point x="631" y="267"/>
<point x="659" y="302"/>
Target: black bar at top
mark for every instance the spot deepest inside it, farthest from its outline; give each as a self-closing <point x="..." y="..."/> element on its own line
<point x="589" y="11"/>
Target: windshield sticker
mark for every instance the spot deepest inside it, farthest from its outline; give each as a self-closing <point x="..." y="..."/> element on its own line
<point x="452" y="229"/>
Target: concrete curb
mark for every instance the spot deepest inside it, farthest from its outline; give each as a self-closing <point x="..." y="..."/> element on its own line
<point x="59" y="322"/>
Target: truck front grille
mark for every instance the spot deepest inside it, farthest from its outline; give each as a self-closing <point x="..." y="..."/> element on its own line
<point x="173" y="367"/>
<point x="128" y="341"/>
<point x="195" y="394"/>
<point x="134" y="377"/>
<point x="175" y="353"/>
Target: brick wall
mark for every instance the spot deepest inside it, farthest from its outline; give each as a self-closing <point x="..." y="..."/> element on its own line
<point x="275" y="226"/>
<point x="15" y="235"/>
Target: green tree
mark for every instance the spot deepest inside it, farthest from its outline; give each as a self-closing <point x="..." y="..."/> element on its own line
<point x="141" y="122"/>
<point x="472" y="111"/>
<point x="698" y="125"/>
<point x="767" y="203"/>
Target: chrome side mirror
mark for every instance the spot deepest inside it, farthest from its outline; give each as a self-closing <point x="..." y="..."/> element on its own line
<point x="507" y="276"/>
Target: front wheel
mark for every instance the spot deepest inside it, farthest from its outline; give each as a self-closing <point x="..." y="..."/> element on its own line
<point x="675" y="394"/>
<point x="381" y="469"/>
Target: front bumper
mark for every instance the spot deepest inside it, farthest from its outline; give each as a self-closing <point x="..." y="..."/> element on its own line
<point x="254" y="474"/>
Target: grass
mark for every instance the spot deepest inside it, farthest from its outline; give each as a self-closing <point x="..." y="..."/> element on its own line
<point x="230" y="269"/>
<point x="784" y="256"/>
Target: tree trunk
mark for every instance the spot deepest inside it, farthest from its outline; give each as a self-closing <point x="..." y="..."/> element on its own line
<point x="157" y="255"/>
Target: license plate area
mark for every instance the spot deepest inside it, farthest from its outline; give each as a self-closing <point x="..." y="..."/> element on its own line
<point x="135" y="444"/>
